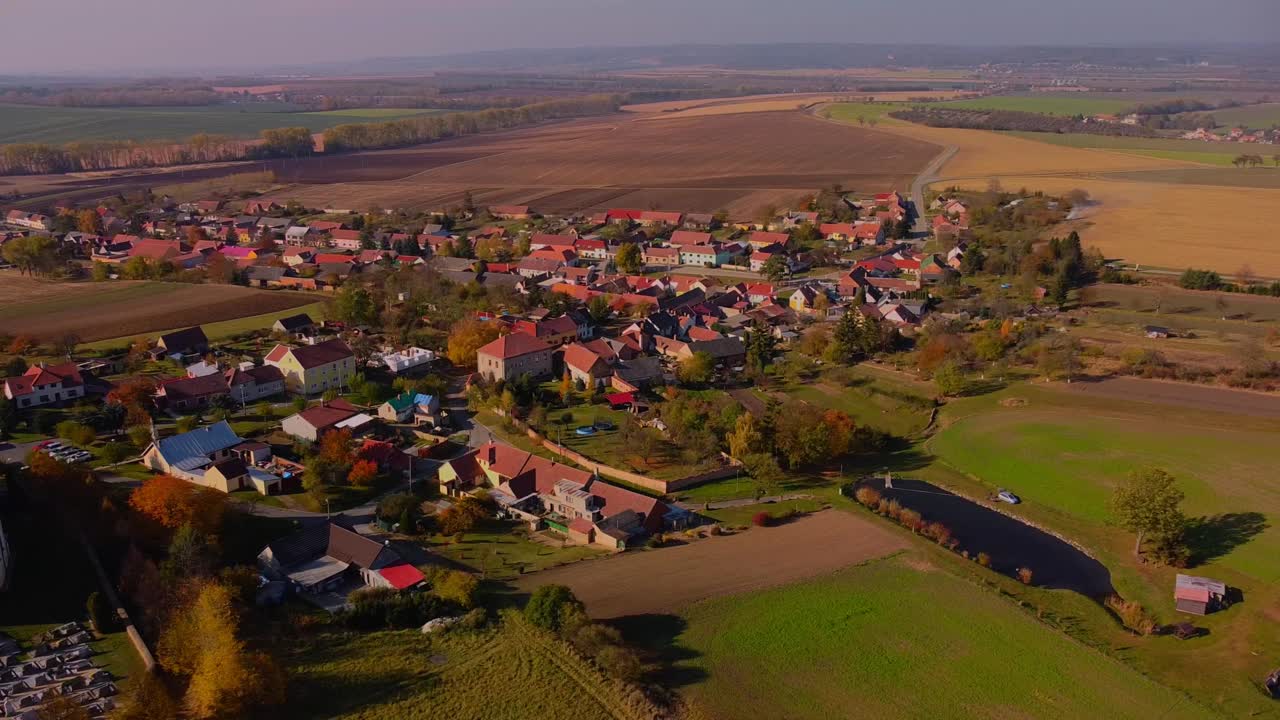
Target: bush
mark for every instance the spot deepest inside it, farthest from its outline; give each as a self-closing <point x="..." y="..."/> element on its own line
<point x="620" y="662"/>
<point x="591" y="638"/>
<point x="984" y="560"/>
<point x="762" y="519"/>
<point x="376" y="608"/>
<point x="910" y="519"/>
<point x="656" y="541"/>
<point x="1132" y="615"/>
<point x="551" y="607"/>
<point x="100" y="613"/>
<point x="455" y="586"/>
<point x="474" y="619"/>
<point x="868" y="496"/>
<point x="715" y="530"/>
<point x="1024" y="575"/>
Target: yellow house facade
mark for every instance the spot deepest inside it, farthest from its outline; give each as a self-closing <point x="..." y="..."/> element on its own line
<point x="312" y="369"/>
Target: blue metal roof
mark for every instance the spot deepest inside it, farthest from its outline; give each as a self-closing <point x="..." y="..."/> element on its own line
<point x="181" y="450"/>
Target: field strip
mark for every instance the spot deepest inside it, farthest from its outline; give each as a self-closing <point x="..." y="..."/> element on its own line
<point x="759" y="558"/>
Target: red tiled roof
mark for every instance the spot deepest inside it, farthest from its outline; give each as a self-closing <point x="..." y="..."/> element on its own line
<point x="689" y="237"/>
<point x="767" y="238"/>
<point x="513" y="345"/>
<point x="836" y="228"/>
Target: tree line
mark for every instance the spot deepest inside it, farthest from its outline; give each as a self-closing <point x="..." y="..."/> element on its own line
<point x="412" y="131"/>
<point x="47" y="158"/>
<point x="1015" y="120"/>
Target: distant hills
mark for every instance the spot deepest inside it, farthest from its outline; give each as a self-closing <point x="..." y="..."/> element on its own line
<point x="784" y="56"/>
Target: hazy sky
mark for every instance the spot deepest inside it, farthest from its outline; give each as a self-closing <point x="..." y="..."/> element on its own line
<point x="170" y="35"/>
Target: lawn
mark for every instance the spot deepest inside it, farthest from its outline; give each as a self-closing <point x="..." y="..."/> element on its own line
<point x="503" y="551"/>
<point x="510" y="672"/>
<point x="31" y="123"/>
<point x="1046" y="104"/>
<point x="874" y="641"/>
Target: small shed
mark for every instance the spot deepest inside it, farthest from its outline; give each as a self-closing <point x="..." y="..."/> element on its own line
<point x="1197" y="595"/>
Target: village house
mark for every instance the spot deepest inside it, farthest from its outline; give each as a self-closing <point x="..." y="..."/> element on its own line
<point x="315" y="421"/>
<point x="296" y="325"/>
<point x="544" y="493"/>
<point x="190" y="393"/>
<point x="44" y="384"/>
<point x="191" y="341"/>
<point x="215" y="457"/>
<point x="333" y="558"/>
<point x="586" y="366"/>
<point x="559" y="330"/>
<point x="345" y="239"/>
<point x="513" y="355"/>
<point x="398" y="409"/>
<point x="247" y="383"/>
<point x="311" y="369"/>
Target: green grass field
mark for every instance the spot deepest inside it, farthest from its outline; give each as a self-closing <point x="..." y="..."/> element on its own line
<point x="876" y="641"/>
<point x="511" y="672"/>
<point x="1260" y="117"/>
<point x="1065" y="104"/>
<point x="871" y="402"/>
<point x="1219" y="154"/>
<point x="1070" y="462"/>
<point x="31" y="123"/>
<point x="850" y="112"/>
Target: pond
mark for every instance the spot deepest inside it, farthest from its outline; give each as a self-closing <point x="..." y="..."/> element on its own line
<point x="1011" y="543"/>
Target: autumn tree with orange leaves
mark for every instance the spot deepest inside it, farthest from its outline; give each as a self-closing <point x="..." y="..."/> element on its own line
<point x="172" y="503"/>
<point x="363" y="473"/>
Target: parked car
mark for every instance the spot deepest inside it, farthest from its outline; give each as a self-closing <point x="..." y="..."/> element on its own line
<point x="1008" y="497"/>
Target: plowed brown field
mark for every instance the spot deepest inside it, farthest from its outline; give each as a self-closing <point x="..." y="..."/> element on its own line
<point x="98" y="311"/>
<point x="735" y="162"/>
<point x="667" y="580"/>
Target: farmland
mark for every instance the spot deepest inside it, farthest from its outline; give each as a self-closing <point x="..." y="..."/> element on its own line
<point x="511" y="672"/>
<point x="1195" y="151"/>
<point x="1173" y="226"/>
<point x="857" y="643"/>
<point x="739" y="162"/>
<point x="31" y="123"/>
<point x="1262" y="116"/>
<point x="1149" y="210"/>
<point x="98" y="311"/>
<point x="1070" y="104"/>
<point x="1063" y="449"/>
<point x="719" y="566"/>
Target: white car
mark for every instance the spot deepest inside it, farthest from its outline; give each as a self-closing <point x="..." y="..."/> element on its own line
<point x="1008" y="497"/>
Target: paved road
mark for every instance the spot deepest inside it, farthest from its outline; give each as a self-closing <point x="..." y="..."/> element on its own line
<point x="926" y="176"/>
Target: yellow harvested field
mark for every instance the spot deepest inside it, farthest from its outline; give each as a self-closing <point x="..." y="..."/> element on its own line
<point x="983" y="154"/>
<point x="1172" y="226"/>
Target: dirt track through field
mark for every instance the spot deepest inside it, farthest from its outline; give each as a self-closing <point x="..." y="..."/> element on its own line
<point x="669" y="579"/>
<point x="1196" y="397"/>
